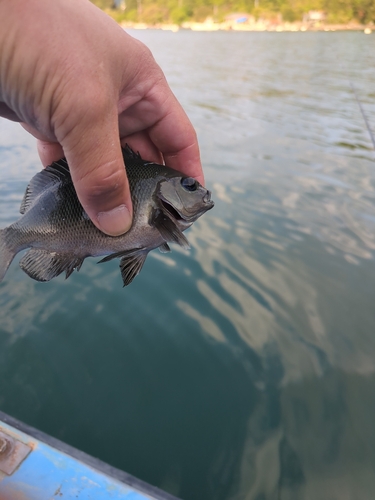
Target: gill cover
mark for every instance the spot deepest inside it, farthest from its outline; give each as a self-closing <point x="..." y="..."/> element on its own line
<point x="184" y="198"/>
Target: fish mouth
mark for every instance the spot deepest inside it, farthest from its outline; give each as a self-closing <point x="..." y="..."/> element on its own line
<point x="178" y="216"/>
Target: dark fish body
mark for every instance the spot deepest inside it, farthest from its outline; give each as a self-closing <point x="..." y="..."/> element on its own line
<point x="59" y="234"/>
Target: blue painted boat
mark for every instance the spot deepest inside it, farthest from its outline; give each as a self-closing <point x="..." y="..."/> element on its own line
<point x="35" y="466"/>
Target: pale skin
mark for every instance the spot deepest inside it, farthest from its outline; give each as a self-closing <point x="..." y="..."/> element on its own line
<point x="82" y="87"/>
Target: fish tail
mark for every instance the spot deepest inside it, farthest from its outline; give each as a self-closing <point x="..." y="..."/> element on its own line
<point x="7" y="253"/>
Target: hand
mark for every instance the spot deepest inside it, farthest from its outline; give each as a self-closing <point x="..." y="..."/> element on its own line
<point x="79" y="84"/>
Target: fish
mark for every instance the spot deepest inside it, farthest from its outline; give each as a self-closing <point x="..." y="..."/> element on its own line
<point x="59" y="235"/>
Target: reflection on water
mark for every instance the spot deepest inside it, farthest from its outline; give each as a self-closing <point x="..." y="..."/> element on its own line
<point x="243" y="369"/>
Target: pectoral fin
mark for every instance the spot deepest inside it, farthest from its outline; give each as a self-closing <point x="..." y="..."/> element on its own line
<point x="42" y="265"/>
<point x="168" y="229"/>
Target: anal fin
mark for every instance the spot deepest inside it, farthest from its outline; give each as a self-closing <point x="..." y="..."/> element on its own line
<point x="42" y="265"/>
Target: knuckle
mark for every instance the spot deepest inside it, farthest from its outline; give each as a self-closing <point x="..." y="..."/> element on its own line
<point x="143" y="51"/>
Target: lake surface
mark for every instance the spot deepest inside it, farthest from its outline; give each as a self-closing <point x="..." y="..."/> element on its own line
<point x="245" y="368"/>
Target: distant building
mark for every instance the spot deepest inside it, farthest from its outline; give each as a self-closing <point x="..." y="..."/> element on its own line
<point x="314" y="16"/>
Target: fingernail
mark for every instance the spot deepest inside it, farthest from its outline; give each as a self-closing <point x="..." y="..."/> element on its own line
<point x="116" y="221"/>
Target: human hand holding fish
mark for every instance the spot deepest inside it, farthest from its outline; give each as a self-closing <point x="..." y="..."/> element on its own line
<point x="79" y="83"/>
<point x="79" y="94"/>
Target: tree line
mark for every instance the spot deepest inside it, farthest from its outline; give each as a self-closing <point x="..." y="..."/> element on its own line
<point x="179" y="11"/>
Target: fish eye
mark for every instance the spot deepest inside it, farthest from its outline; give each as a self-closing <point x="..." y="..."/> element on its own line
<point x="189" y="183"/>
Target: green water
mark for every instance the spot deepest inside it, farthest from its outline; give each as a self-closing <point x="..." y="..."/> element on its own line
<point x="245" y="368"/>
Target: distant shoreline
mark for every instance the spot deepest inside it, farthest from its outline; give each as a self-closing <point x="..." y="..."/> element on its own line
<point x="258" y="26"/>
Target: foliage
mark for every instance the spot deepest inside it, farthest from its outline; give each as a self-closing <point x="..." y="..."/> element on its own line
<point x="180" y="14"/>
<point x="178" y="11"/>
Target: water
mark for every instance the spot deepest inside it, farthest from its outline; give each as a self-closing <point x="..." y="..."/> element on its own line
<point x="245" y="368"/>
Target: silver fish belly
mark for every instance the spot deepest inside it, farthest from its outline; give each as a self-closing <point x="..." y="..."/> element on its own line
<point x="59" y="234"/>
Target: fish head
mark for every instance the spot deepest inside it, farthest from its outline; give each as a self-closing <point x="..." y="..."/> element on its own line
<point x="184" y="199"/>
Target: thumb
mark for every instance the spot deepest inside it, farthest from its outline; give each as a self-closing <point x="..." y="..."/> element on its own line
<point x="93" y="152"/>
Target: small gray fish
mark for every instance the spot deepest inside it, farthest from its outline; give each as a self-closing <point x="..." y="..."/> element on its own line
<point x="59" y="234"/>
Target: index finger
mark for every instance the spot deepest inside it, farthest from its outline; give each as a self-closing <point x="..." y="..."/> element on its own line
<point x="176" y="139"/>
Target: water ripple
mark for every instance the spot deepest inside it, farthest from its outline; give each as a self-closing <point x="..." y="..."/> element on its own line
<point x="257" y="347"/>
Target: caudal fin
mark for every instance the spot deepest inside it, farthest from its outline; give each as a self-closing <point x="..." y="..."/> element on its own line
<point x="6" y="254"/>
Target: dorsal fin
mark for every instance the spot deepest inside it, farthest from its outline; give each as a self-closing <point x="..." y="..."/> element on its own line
<point x="59" y="169"/>
<point x="57" y="172"/>
<point x="128" y="153"/>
